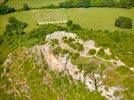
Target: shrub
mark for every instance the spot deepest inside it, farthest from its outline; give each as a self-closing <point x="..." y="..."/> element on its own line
<point x="75" y="27"/>
<point x="64" y="51"/>
<point x="51" y="6"/>
<point x="124" y="22"/>
<point x="26" y="7"/>
<point x="126" y="3"/>
<point x="83" y="3"/>
<point x="108" y="3"/>
<point x="74" y="55"/>
<point x="54" y="42"/>
<point x="65" y="39"/>
<point x="69" y="22"/>
<point x="1" y="40"/>
<point x="14" y="26"/>
<point x="76" y="46"/>
<point x="66" y="4"/>
<point x="57" y="50"/>
<point x="76" y="3"/>
<point x="92" y="52"/>
<point x="5" y="9"/>
<point x="70" y="39"/>
<point x="101" y="52"/>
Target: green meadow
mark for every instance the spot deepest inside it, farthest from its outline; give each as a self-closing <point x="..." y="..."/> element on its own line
<point x="95" y="18"/>
<point x="99" y="18"/>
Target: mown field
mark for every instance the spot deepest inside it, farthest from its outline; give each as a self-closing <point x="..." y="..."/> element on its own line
<point x="32" y="3"/>
<point x="50" y="16"/>
<point x="99" y="18"/>
<point x="96" y="18"/>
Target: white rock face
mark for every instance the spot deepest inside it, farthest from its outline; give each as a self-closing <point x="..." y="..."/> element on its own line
<point x="58" y="64"/>
<point x="61" y="64"/>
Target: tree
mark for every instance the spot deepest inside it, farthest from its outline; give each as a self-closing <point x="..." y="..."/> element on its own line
<point x="126" y="3"/>
<point x="124" y="22"/>
<point x="26" y="7"/>
<point x="108" y="3"/>
<point x="83" y="3"/>
<point x="75" y="27"/>
<point x="14" y="26"/>
<point x="75" y="3"/>
<point x="5" y="9"/>
<point x="66" y="4"/>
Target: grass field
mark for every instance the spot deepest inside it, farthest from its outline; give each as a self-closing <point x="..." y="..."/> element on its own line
<point x="96" y="18"/>
<point x="99" y="18"/>
<point x="50" y="16"/>
<point x="32" y="3"/>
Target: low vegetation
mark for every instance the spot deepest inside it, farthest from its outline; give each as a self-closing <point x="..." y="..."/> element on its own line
<point x="5" y="9"/>
<point x="124" y="22"/>
<point x="26" y="7"/>
<point x="15" y="27"/>
<point x="15" y="37"/>
<point x="97" y="3"/>
<point x="72" y="43"/>
<point x="101" y="53"/>
<point x="75" y="3"/>
<point x="92" y="52"/>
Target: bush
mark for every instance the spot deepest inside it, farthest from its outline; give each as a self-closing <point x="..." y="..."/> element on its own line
<point x="54" y="42"/>
<point x="92" y="52"/>
<point x="77" y="3"/>
<point x="75" y="27"/>
<point x="101" y="53"/>
<point x="83" y="3"/>
<point x="70" y="39"/>
<point x="65" y="39"/>
<point x="72" y="26"/>
<point x="124" y="22"/>
<point x="69" y="23"/>
<point x="5" y="9"/>
<point x="26" y="7"/>
<point x="64" y="51"/>
<point x="74" y="55"/>
<point x="1" y="40"/>
<point x="126" y="3"/>
<point x="14" y="26"/>
<point x="76" y="46"/>
<point x="51" y="6"/>
<point x="57" y="50"/>
<point x="108" y="3"/>
<point x="66" y="4"/>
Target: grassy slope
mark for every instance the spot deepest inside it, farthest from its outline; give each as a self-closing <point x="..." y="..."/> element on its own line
<point x="32" y="3"/>
<point x="96" y="18"/>
<point x="55" y="86"/>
